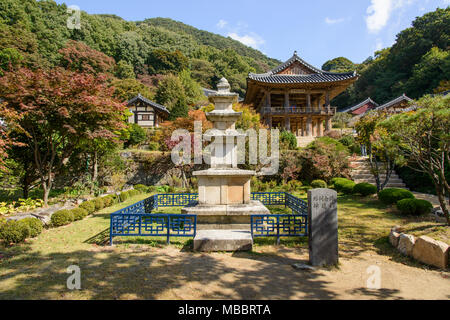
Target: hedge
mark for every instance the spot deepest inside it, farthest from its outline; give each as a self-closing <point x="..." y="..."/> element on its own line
<point x="89" y="206"/>
<point x="36" y="226"/>
<point x="62" y="217"/>
<point x="123" y="196"/>
<point x="415" y="207"/>
<point x="343" y="185"/>
<point x="318" y="184"/>
<point x="142" y="188"/>
<point x="79" y="213"/>
<point x="365" y="189"/>
<point x="99" y="204"/>
<point x="14" y="231"/>
<point x="393" y="195"/>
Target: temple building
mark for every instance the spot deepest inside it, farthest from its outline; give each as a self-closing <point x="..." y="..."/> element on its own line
<point x="398" y="105"/>
<point x="362" y="107"/>
<point x="146" y="113"/>
<point x="296" y="96"/>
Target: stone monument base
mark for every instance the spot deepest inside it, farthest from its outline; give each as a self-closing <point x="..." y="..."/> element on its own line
<point x="223" y="240"/>
<point x="231" y="216"/>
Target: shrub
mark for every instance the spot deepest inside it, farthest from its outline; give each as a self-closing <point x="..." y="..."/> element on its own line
<point x="79" y="214"/>
<point x="134" y="192"/>
<point x="288" y="141"/>
<point x="415" y="207"/>
<point x="393" y="195"/>
<point x="14" y="231"/>
<point x="123" y="196"/>
<point x="365" y="189"/>
<point x="295" y="185"/>
<point x="318" y="184"/>
<point x="99" y="204"/>
<point x="107" y="201"/>
<point x="61" y="218"/>
<point x="35" y="226"/>
<point x="140" y="187"/>
<point x="89" y="206"/>
<point x="343" y="185"/>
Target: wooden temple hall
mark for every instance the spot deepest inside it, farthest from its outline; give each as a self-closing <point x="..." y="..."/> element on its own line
<point x="296" y="96"/>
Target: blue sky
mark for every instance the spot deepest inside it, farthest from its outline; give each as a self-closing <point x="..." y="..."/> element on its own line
<point x="319" y="30"/>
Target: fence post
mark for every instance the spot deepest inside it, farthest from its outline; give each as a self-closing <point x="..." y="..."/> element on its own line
<point x="168" y="229"/>
<point x="278" y="230"/>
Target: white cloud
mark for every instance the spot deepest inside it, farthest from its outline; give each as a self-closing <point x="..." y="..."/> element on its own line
<point x="221" y="24"/>
<point x="380" y="11"/>
<point x="378" y="15"/>
<point x="252" y="39"/>
<point x="334" y="21"/>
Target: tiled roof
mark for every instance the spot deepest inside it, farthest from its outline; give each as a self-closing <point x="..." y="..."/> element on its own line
<point x="149" y="102"/>
<point x="395" y="101"/>
<point x="359" y="105"/>
<point x="317" y="76"/>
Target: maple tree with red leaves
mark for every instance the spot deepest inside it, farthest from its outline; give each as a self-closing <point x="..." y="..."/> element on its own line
<point x="57" y="110"/>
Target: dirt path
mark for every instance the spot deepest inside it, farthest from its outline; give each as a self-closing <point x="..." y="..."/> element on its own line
<point x="170" y="274"/>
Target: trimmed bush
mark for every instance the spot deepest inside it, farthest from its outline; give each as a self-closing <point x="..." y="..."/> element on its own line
<point x="364" y="189"/>
<point x="89" y="206"/>
<point x="134" y="192"/>
<point x="61" y="218"/>
<point x="414" y="207"/>
<point x="294" y="185"/>
<point x="123" y="196"/>
<point x="14" y="231"/>
<point x="99" y="204"/>
<point x="393" y="195"/>
<point x="318" y="184"/>
<point x="108" y="200"/>
<point x="343" y="185"/>
<point x="79" y="214"/>
<point x="36" y="226"/>
<point x="141" y="188"/>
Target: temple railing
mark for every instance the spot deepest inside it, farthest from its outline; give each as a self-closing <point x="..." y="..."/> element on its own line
<point x="138" y="219"/>
<point x="328" y="111"/>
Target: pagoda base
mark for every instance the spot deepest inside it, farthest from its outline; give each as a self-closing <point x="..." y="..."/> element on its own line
<point x="231" y="216"/>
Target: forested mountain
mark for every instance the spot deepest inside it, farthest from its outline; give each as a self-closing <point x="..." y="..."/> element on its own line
<point x="418" y="63"/>
<point x="32" y="33"/>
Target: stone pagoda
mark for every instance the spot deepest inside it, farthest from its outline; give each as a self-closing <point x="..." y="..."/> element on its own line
<point x="225" y="206"/>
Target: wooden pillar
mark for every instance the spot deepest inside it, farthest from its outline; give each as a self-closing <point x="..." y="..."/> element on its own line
<point x="308" y="102"/>
<point x="327" y="99"/>
<point x="309" y="126"/>
<point x="328" y="124"/>
<point x="320" y="127"/>
<point x="270" y="121"/>
<point x="268" y="99"/>
<point x="287" y="103"/>
<point x="287" y="123"/>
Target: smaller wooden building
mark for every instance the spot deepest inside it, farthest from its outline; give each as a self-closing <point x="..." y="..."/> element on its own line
<point x="398" y="105"/>
<point x="146" y="113"/>
<point x="362" y="107"/>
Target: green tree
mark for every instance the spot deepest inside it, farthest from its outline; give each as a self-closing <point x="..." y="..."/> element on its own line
<point x="163" y="61"/>
<point x="424" y="137"/>
<point x="124" y="70"/>
<point x="340" y="64"/>
<point x="126" y="89"/>
<point x="192" y="89"/>
<point x="171" y="94"/>
<point x="381" y="149"/>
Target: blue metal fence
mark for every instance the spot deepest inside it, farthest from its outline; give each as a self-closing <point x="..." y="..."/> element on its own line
<point x="138" y="219"/>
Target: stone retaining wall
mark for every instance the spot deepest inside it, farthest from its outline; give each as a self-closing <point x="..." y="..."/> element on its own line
<point x="423" y="249"/>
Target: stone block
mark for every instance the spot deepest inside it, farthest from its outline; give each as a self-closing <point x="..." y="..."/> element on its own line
<point x="430" y="251"/>
<point x="406" y="244"/>
<point x="223" y="240"/>
<point x="394" y="238"/>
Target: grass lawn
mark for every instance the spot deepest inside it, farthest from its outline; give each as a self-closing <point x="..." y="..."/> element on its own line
<point x="37" y="268"/>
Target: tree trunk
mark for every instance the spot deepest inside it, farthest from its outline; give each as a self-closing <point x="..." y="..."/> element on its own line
<point x="443" y="202"/>
<point x="95" y="168"/>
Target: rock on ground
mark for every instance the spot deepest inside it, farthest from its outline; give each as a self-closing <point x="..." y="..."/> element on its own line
<point x="432" y="252"/>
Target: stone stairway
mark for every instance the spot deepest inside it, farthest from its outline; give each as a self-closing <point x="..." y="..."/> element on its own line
<point x="304" y="141"/>
<point x="361" y="173"/>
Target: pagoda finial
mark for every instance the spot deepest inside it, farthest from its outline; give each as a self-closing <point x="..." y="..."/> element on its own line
<point x="223" y="86"/>
<point x="295" y="52"/>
